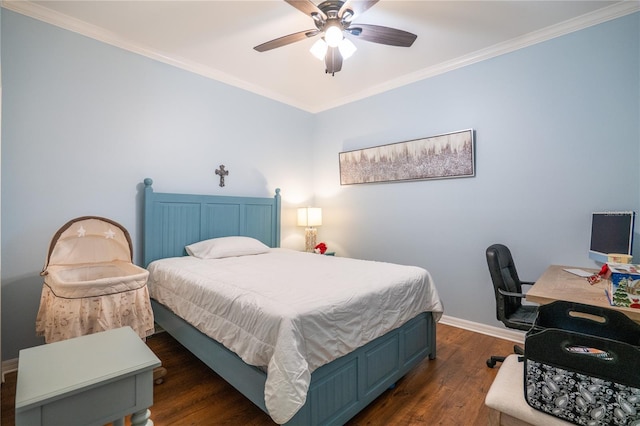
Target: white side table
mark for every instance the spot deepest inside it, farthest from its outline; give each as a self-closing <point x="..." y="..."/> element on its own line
<point x="89" y="380"/>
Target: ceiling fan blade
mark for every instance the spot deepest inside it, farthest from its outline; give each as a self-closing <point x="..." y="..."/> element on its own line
<point x="358" y="6"/>
<point x="306" y="7"/>
<point x="284" y="40"/>
<point x="333" y="60"/>
<point x="382" y="35"/>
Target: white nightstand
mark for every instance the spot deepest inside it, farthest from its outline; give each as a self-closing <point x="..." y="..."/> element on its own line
<point x="89" y="380"/>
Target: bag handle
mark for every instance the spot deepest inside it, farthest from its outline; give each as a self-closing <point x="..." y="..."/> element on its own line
<point x="588" y="319"/>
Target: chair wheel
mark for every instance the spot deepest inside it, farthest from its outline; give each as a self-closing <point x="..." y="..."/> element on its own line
<point x="491" y="363"/>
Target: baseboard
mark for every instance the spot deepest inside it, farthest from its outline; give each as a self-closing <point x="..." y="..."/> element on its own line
<point x="501" y="333"/>
<point x="11" y="365"/>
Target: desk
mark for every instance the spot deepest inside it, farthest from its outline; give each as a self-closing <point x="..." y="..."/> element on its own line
<point x="557" y="284"/>
<point x="89" y="380"/>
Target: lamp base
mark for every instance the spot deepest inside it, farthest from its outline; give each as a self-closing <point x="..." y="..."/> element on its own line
<point x="310" y="235"/>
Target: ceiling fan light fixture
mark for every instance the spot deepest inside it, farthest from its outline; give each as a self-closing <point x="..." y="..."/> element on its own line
<point x="319" y="49"/>
<point x="332" y="18"/>
<point x="346" y="48"/>
<point x="333" y="36"/>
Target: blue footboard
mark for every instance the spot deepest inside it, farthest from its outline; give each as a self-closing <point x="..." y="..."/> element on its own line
<point x="338" y="390"/>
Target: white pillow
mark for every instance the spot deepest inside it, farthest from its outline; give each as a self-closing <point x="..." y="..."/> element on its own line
<point x="216" y="248"/>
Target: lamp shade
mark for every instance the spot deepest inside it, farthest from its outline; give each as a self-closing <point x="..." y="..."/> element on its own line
<point x="333" y="35"/>
<point x="346" y="48"/>
<point x="309" y="216"/>
<point x="319" y="49"/>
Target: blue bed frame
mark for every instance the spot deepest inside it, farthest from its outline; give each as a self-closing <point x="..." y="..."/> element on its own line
<point x="338" y="390"/>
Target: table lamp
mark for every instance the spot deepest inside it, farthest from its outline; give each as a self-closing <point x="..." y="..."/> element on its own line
<point x="310" y="217"/>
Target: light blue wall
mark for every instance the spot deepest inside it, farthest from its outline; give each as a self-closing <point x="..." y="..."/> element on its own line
<point x="557" y="137"/>
<point x="84" y="123"/>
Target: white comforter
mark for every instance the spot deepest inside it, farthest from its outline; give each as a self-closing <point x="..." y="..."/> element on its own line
<point x="292" y="312"/>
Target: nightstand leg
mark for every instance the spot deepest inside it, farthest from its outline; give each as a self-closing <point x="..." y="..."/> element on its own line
<point x="141" y="418"/>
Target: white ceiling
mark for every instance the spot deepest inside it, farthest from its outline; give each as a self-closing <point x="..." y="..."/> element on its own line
<point x="216" y="39"/>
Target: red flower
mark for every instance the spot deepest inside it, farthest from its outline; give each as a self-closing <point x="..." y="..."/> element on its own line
<point x="321" y="248"/>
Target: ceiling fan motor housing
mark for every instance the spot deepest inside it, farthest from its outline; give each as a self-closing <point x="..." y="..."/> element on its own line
<point x="331" y="9"/>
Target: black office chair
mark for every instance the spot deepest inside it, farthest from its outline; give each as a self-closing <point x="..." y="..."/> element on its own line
<point x="508" y="292"/>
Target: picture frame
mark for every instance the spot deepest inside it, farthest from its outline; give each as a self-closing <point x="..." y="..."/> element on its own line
<point x="445" y="156"/>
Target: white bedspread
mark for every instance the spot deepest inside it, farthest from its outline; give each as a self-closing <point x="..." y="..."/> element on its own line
<point x="292" y="312"/>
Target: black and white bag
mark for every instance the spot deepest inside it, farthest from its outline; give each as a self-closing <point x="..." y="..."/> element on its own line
<point x="582" y="364"/>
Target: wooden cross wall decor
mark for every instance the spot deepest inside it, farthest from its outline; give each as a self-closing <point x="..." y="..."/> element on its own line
<point x="222" y="173"/>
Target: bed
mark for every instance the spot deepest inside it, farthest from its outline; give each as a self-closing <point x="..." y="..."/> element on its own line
<point x="297" y="378"/>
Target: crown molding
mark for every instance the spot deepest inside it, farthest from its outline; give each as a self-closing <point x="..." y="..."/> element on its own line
<point x="600" y="16"/>
<point x="44" y="14"/>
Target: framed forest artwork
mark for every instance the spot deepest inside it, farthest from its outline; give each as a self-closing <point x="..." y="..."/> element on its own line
<point x="450" y="155"/>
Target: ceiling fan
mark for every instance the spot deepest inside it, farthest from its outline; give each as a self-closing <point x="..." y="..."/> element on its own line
<point x="333" y="18"/>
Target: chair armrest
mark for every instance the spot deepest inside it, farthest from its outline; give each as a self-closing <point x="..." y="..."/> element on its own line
<point x="528" y="286"/>
<point x="512" y="294"/>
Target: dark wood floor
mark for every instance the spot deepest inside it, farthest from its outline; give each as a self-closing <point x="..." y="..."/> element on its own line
<point x="449" y="390"/>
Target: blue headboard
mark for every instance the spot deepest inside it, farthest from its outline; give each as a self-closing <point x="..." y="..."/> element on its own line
<point x="172" y="221"/>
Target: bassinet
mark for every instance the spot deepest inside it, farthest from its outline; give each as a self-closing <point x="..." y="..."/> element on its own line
<point x="91" y="284"/>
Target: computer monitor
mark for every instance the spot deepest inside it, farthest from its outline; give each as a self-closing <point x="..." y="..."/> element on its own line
<point x="611" y="232"/>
